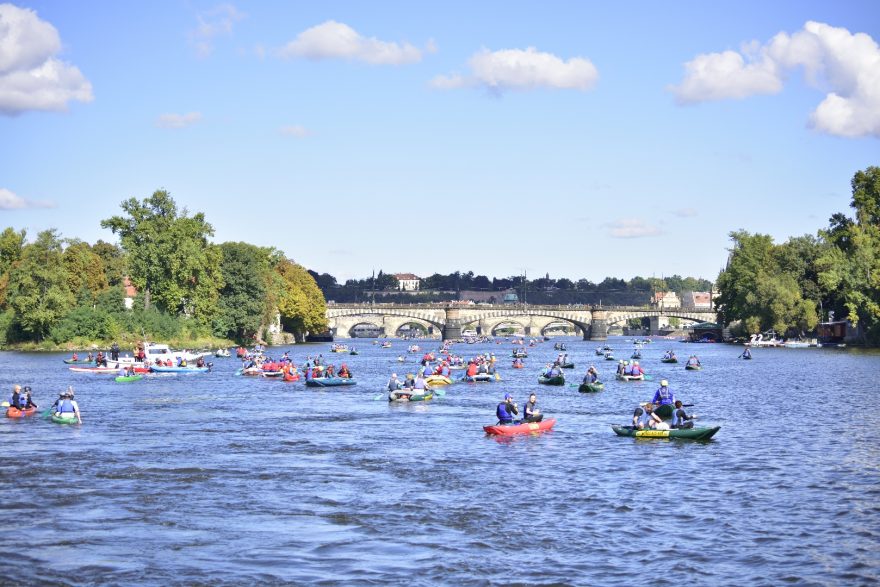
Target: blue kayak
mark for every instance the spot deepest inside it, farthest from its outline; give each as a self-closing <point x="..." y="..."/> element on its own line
<point x="158" y="369"/>
<point x="329" y="381"/>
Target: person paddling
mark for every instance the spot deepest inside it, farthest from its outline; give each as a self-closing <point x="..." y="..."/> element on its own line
<point x="506" y="410"/>
<point x="663" y="396"/>
<point x="66" y="406"/>
<point x="531" y="413"/>
<point x="680" y="418"/>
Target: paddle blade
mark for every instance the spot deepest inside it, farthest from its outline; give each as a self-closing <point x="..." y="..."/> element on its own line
<point x="438" y="392"/>
<point x="378" y="397"/>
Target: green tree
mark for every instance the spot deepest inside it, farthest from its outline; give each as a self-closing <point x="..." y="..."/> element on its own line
<point x="114" y="261"/>
<point x="11" y="245"/>
<point x="38" y="290"/>
<point x="244" y="307"/>
<point x="299" y="299"/>
<point x="85" y="272"/>
<point x="169" y="256"/>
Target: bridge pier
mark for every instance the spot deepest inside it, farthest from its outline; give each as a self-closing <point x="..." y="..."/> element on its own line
<point x="598" y="326"/>
<point x="452" y="328"/>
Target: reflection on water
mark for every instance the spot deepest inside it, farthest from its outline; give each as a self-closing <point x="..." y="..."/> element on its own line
<point x="220" y="479"/>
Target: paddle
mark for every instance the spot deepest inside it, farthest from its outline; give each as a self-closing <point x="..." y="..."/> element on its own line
<point x="238" y="372"/>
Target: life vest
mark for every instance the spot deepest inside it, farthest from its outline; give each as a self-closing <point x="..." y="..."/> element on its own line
<point x="678" y="417"/>
<point x="628" y="370"/>
<point x="17" y="400"/>
<point x="65" y="406"/>
<point x="419" y="384"/>
<point x="471" y="370"/>
<point x="664" y="396"/>
<point x="502" y="413"/>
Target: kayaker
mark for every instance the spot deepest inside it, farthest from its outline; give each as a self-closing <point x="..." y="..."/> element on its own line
<point x="680" y="418"/>
<point x="644" y="417"/>
<point x="694" y="361"/>
<point x="409" y="382"/>
<point x="344" y="372"/>
<point x="530" y="411"/>
<point x="75" y="357"/>
<point x="18" y="398"/>
<point x="506" y="410"/>
<point x="29" y="402"/>
<point x="620" y="367"/>
<point x="663" y="396"/>
<point x="592" y="375"/>
<point x="747" y="354"/>
<point x="636" y="370"/>
<point x="393" y="383"/>
<point x="200" y="362"/>
<point x="420" y="384"/>
<point x="66" y="405"/>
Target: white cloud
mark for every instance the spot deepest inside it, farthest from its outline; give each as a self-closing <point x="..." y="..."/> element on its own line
<point x="844" y="64"/>
<point x="632" y="228"/>
<point x="518" y="69"/>
<point x="12" y="201"/>
<point x="178" y="120"/>
<point x="31" y="78"/>
<point x="296" y="130"/>
<point x="335" y="40"/>
<point x="212" y="23"/>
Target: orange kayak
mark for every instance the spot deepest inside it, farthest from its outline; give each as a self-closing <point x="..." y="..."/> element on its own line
<point x="529" y="428"/>
<point x="16" y="413"/>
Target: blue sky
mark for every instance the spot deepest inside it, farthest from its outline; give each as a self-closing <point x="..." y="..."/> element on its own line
<point x="428" y="137"/>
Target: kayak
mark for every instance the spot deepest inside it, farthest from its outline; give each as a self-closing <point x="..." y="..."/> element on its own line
<point x="630" y="377"/>
<point x="438" y="380"/>
<point x="591" y="387"/>
<point x="272" y="374"/>
<point x="353" y="353"/>
<point x="684" y="433"/>
<point x="528" y="428"/>
<point x="636" y="356"/>
<point x="329" y="382"/>
<point x="609" y="357"/>
<point x="600" y="352"/>
<point x="567" y="366"/>
<point x="58" y="419"/>
<point x="79" y="362"/>
<point x="127" y="378"/>
<point x="672" y="360"/>
<point x="693" y="367"/>
<point x="518" y="365"/>
<point x="16" y="413"/>
<point x="158" y="369"/>
<point x="291" y="377"/>
<point x="516" y="355"/>
<point x="95" y="370"/>
<point x="480" y="378"/>
<point x="558" y="380"/>
<point x="414" y="398"/>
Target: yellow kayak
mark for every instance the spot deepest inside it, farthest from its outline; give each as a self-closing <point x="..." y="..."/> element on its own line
<point x="437" y="380"/>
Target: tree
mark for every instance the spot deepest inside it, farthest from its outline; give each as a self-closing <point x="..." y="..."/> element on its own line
<point x="85" y="272"/>
<point x="169" y="255"/>
<point x="245" y="306"/>
<point x="114" y="260"/>
<point x="300" y="302"/>
<point x="38" y="290"/>
<point x="11" y="245"/>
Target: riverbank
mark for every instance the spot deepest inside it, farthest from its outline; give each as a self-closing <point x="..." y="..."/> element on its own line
<point x="127" y="344"/>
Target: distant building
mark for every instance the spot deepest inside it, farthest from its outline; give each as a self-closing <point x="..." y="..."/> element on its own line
<point x="666" y="299"/>
<point x="479" y="297"/>
<point x="407" y="281"/>
<point x="510" y="297"/>
<point x="696" y="300"/>
<point x="130" y="292"/>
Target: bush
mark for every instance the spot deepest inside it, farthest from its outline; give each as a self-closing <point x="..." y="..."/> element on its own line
<point x="85" y="322"/>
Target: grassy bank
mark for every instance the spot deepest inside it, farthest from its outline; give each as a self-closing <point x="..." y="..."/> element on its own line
<point x="126" y="344"/>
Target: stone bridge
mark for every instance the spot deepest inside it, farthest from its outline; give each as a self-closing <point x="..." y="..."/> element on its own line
<point x="449" y="321"/>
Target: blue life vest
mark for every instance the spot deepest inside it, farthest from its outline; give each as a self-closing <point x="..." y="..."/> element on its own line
<point x="628" y="370"/>
<point x="677" y="420"/>
<point x="65" y="406"/>
<point x="503" y="415"/>
<point x="20" y="404"/>
<point x="664" y="396"/>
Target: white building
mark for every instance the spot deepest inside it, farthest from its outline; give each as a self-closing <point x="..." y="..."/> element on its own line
<point x="666" y="299"/>
<point x="696" y="300"/>
<point x="407" y="281"/>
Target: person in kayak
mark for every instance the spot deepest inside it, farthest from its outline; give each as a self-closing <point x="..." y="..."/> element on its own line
<point x="663" y="396"/>
<point x="747" y="354"/>
<point x="506" y="410"/>
<point x="409" y="382"/>
<point x="531" y="413"/>
<point x="680" y="418"/>
<point x="393" y="383"/>
<point x="694" y="361"/>
<point x="420" y="385"/>
<point x="636" y="370"/>
<point x="344" y="372"/>
<point x="17" y="399"/>
<point x="620" y="367"/>
<point x="29" y="402"/>
<point x="66" y="406"/>
<point x="592" y="375"/>
<point x="644" y="417"/>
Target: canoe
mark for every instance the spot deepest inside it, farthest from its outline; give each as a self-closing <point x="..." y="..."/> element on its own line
<point x="272" y="374"/>
<point x="480" y="378"/>
<point x="16" y="413"/>
<point x="438" y="380"/>
<point x="79" y="362"/>
<point x="558" y="380"/>
<point x="673" y="360"/>
<point x="64" y="420"/>
<point x="158" y="369"/>
<point x="566" y="366"/>
<point x="693" y="367"/>
<point x="512" y="429"/>
<point x="630" y="378"/>
<point x="636" y="356"/>
<point x="683" y="433"/>
<point x="591" y="387"/>
<point x="95" y="370"/>
<point x="414" y="398"/>
<point x="353" y="353"/>
<point x="329" y="382"/>
<point x="127" y="378"/>
<point x="518" y="365"/>
<point x="600" y="352"/>
<point x="609" y="357"/>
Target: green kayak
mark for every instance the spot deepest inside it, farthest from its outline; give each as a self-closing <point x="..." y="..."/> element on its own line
<point x="567" y="365"/>
<point x="64" y="420"/>
<point x="683" y="433"/>
<point x="672" y="360"/>
<point x="591" y="387"/>
<point x="693" y="367"/>
<point x="558" y="380"/>
<point x="127" y="378"/>
<point x="414" y="398"/>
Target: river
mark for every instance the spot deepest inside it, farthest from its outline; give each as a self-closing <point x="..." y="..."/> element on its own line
<point x="216" y="479"/>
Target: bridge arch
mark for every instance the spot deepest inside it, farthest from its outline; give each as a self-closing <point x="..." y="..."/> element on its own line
<point x="619" y="317"/>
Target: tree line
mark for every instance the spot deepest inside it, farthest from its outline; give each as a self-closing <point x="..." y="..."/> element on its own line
<point x="790" y="287"/>
<point x="57" y="290"/>
<point x="544" y="290"/>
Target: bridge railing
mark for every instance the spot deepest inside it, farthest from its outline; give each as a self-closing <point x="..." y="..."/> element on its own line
<point x="560" y="307"/>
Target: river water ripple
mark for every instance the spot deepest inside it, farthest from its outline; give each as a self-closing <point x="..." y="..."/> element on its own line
<point x="221" y="480"/>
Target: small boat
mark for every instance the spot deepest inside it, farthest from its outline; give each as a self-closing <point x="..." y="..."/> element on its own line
<point x="599" y="352"/>
<point x="59" y="419"/>
<point x="558" y="380"/>
<point x="702" y="433"/>
<point x="95" y="370"/>
<point x="630" y="377"/>
<point x="480" y="378"/>
<point x="518" y="365"/>
<point x="609" y="357"/>
<point x="329" y="382"/>
<point x="273" y="374"/>
<point x="16" y="413"/>
<point x="746" y="357"/>
<point x="127" y="378"/>
<point x="591" y="387"/>
<point x="222" y="353"/>
<point x="353" y="352"/>
<point x="386" y="345"/>
<point x="566" y="366"/>
<point x="636" y="355"/>
<point x="291" y="377"/>
<point x="519" y="355"/>
<point x="416" y="397"/>
<point x="186" y="370"/>
<point x="79" y="362"/>
<point x="527" y="428"/>
<point x="690" y="367"/>
<point x="438" y="380"/>
<point x="669" y="360"/>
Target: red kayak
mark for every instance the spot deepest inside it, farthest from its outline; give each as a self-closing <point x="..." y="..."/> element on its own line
<point x="520" y="428"/>
<point x="518" y="365"/>
<point x="16" y="413"/>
